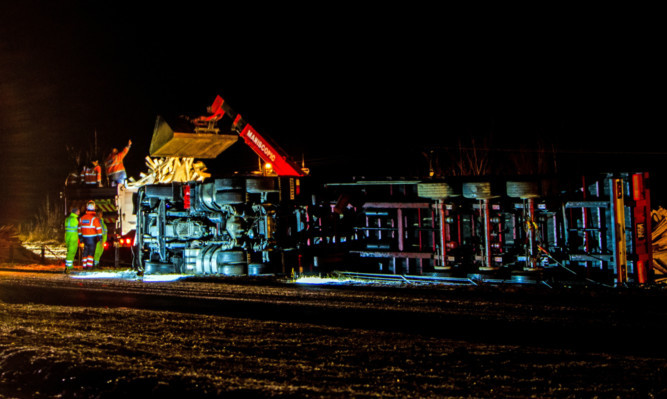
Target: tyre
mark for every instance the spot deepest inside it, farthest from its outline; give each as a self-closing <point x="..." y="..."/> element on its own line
<point x="208" y="260"/>
<point x="232" y="270"/>
<point x="255" y="269"/>
<point x="159" y="268"/>
<point x="477" y="190"/>
<point x="225" y="257"/>
<point x="522" y="189"/>
<point x="436" y="190"/>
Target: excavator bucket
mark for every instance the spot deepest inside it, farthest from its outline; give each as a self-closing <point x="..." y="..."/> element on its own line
<point x="182" y="141"/>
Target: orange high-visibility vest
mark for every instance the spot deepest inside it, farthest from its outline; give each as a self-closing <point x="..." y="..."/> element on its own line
<point x="82" y="175"/>
<point x="114" y="163"/>
<point x="92" y="175"/>
<point x="89" y="225"/>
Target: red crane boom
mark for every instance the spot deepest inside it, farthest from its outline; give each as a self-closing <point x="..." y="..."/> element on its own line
<point x="267" y="151"/>
<point x="207" y="141"/>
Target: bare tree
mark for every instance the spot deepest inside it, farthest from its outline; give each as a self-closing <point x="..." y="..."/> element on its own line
<point x="472" y="160"/>
<point x="540" y="159"/>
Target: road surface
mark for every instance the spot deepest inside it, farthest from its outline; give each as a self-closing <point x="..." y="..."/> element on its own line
<point x="117" y="335"/>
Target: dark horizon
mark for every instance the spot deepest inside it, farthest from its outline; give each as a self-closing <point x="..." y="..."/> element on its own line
<point x="360" y="94"/>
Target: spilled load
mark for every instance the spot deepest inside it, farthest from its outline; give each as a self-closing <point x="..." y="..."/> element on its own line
<point x="176" y="144"/>
<point x="169" y="170"/>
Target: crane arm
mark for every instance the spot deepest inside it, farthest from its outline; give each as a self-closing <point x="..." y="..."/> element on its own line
<point x="267" y="151"/>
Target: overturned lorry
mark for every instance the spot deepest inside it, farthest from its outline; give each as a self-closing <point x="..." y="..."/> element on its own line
<point x="598" y="228"/>
<point x="284" y="221"/>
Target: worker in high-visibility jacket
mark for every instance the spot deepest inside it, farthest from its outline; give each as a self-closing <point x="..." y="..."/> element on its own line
<point x="71" y="238"/>
<point x="92" y="175"/>
<point x="114" y="165"/>
<point x="90" y="232"/>
<point x="99" y="248"/>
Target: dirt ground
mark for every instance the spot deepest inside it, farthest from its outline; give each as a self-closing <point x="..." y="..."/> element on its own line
<point x="117" y="335"/>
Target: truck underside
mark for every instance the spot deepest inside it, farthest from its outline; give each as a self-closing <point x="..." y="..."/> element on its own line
<point x="593" y="225"/>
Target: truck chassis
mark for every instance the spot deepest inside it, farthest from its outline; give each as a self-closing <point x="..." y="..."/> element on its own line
<point x="249" y="225"/>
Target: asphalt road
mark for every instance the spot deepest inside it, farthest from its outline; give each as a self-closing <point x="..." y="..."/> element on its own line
<point x="581" y="318"/>
<point x="559" y="327"/>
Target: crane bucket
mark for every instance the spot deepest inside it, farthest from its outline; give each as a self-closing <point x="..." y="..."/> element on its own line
<point x="167" y="142"/>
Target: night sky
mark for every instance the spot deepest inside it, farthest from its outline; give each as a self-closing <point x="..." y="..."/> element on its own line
<point x="351" y="90"/>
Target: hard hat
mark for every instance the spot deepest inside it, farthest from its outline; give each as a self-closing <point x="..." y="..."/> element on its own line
<point x="90" y="206"/>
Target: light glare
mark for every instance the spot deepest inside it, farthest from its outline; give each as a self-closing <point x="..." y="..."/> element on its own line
<point x="127" y="275"/>
<point x="320" y="280"/>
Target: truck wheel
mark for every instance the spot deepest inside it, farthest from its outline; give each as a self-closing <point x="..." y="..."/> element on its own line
<point x="255" y="269"/>
<point x="436" y="190"/>
<point x="232" y="270"/>
<point x="522" y="189"/>
<point x="477" y="190"/>
<point x="208" y="264"/>
<point x="230" y="257"/>
<point x="159" y="268"/>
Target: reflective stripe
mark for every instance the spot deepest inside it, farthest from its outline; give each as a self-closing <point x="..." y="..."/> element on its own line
<point x="89" y="225"/>
<point x="114" y="163"/>
<point x="92" y="175"/>
<point x="105" y="205"/>
<point x="71" y="224"/>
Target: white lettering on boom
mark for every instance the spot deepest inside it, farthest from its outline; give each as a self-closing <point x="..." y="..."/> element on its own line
<point x="262" y="146"/>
